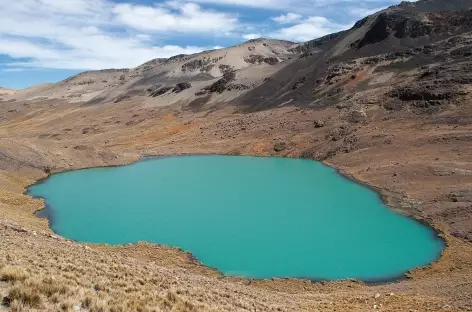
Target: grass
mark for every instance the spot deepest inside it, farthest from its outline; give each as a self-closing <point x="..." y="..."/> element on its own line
<point x="25" y="296"/>
<point x="12" y="274"/>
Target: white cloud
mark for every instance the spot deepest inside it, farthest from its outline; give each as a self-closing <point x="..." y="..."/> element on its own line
<point x="306" y="7"/>
<point x="251" y="36"/>
<point x="311" y="28"/>
<point x="189" y="17"/>
<point x="287" y="18"/>
<point x="14" y="69"/>
<point x="97" y="34"/>
<point x="363" y="12"/>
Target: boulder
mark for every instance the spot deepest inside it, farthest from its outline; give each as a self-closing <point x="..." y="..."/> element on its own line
<point x="280" y="146"/>
<point x="318" y="123"/>
<point x="357" y="116"/>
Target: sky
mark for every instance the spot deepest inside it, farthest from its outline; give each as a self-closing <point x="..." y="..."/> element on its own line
<point x="50" y="40"/>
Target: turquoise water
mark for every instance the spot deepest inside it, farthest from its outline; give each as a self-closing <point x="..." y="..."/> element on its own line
<point x="246" y="216"/>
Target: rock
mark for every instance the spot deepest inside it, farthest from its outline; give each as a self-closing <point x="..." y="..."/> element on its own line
<point x="181" y="86"/>
<point x="160" y="91"/>
<point x="318" y="123"/>
<point x="258" y="59"/>
<point x="271" y="60"/>
<point x="6" y="301"/>
<point x="461" y="196"/>
<point x="280" y="146"/>
<point x="222" y="84"/>
<point x="35" y="234"/>
<point x="76" y="308"/>
<point x="299" y="83"/>
<point x="203" y="65"/>
<point x="357" y="116"/>
<point x="377" y="295"/>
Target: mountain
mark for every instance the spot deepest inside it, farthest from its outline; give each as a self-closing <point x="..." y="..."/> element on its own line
<point x="176" y="78"/>
<point x="265" y="73"/>
<point x="410" y="35"/>
<point x="6" y="91"/>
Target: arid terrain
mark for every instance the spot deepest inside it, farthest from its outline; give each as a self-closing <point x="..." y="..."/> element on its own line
<point x="388" y="103"/>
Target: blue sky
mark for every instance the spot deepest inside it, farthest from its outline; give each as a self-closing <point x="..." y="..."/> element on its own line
<point x="49" y="40"/>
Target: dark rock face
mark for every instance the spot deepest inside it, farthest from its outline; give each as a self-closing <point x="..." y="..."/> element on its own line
<point x="181" y="86"/>
<point x="221" y="85"/>
<point x="401" y="25"/>
<point x="426" y="93"/>
<point x="436" y="86"/>
<point x="271" y="60"/>
<point x="378" y="32"/>
<point x="423" y="98"/>
<point x="158" y="90"/>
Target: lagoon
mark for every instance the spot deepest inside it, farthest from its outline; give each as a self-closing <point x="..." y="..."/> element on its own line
<point x="245" y="216"/>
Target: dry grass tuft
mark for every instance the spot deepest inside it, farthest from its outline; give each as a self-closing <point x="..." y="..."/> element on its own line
<point x="25" y="296"/>
<point x="12" y="274"/>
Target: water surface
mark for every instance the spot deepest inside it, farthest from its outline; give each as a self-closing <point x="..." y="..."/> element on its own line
<point x="246" y="216"/>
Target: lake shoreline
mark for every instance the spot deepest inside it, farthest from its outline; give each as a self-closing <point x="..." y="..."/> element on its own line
<point x="383" y="196"/>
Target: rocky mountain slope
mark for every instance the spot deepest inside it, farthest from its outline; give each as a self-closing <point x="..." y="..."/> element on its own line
<point x="398" y="40"/>
<point x="178" y="78"/>
<point x="388" y="103"/>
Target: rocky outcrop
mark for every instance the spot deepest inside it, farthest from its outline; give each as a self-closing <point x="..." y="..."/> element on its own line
<point x="434" y="88"/>
<point x="280" y="147"/>
<point x="357" y="116"/>
<point x="223" y="84"/>
<point x="338" y="71"/>
<point x="181" y="86"/>
<point x="225" y="68"/>
<point x="160" y="91"/>
<point x="401" y="25"/>
<point x="203" y="65"/>
<point x="461" y="196"/>
<point x="258" y="59"/>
